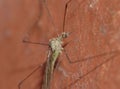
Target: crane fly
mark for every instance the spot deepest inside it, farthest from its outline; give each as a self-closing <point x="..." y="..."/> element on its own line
<point x="56" y="47"/>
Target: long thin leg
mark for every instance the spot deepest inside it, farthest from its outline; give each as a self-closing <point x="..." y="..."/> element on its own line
<point x="110" y="58"/>
<point x="64" y="20"/>
<point x="65" y="14"/>
<point x="91" y="57"/>
<point x="45" y="44"/>
<point x="50" y="16"/>
<point x="19" y="85"/>
<point x="66" y="44"/>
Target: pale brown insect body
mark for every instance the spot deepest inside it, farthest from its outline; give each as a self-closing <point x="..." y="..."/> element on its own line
<point x="56" y="48"/>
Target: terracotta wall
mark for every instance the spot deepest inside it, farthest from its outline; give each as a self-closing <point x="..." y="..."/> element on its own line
<point x="96" y="38"/>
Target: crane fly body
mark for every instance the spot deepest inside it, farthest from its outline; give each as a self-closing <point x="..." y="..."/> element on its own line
<point x="56" y="49"/>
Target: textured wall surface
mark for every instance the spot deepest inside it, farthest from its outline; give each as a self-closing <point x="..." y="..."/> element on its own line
<point x="96" y="38"/>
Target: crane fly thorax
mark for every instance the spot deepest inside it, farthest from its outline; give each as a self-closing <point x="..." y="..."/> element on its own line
<point x="56" y="43"/>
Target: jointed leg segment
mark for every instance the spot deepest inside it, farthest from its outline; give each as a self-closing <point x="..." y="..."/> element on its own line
<point x="19" y="85"/>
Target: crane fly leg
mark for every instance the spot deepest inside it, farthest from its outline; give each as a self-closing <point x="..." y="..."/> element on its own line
<point x="20" y="83"/>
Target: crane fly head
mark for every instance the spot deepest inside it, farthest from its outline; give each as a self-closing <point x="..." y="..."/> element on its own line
<point x="65" y="34"/>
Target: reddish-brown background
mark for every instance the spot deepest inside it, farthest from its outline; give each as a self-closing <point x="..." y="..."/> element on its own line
<point x="96" y="27"/>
